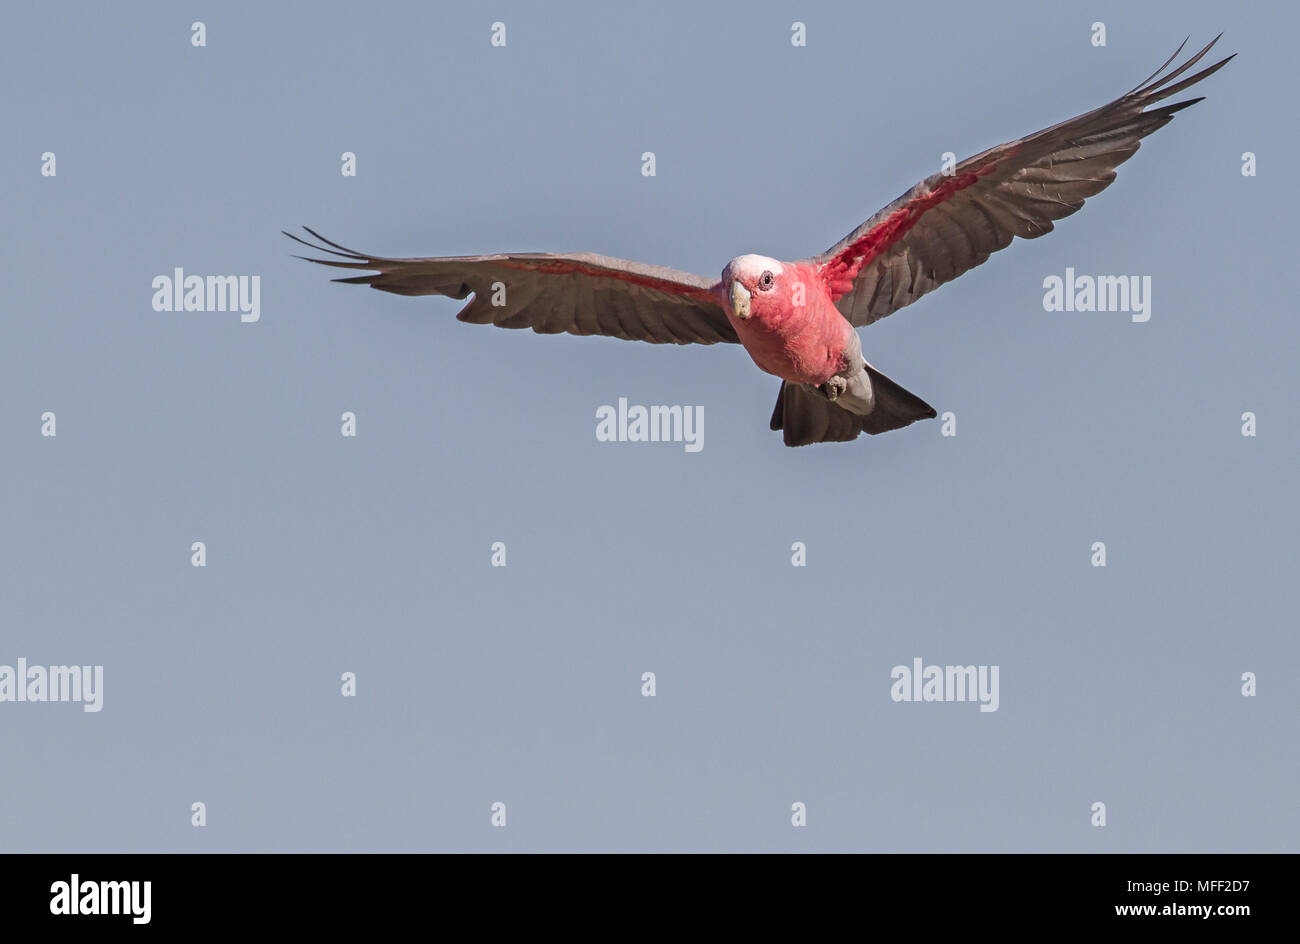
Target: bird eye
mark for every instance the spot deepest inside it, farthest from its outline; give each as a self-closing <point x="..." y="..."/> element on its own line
<point x="765" y="281"/>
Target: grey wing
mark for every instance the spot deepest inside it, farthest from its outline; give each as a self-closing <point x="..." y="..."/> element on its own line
<point x="553" y="293"/>
<point x="952" y="222"/>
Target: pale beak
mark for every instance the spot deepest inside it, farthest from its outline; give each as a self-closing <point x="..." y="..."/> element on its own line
<point x="739" y="301"/>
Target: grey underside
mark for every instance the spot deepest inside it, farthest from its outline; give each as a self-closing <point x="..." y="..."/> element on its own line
<point x="805" y="415"/>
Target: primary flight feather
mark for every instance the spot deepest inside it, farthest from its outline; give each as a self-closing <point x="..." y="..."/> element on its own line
<point x="797" y="319"/>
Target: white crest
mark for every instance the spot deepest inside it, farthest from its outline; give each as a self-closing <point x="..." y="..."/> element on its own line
<point x="750" y="268"/>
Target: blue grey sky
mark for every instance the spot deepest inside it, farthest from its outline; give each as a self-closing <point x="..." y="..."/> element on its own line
<point x="522" y="684"/>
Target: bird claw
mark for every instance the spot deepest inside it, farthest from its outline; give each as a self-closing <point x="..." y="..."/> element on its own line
<point x="832" y="388"/>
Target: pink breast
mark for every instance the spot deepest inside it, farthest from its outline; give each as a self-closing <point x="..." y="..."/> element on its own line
<point x="804" y="347"/>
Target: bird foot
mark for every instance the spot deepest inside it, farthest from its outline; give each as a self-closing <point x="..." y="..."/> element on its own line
<point x="832" y="388"/>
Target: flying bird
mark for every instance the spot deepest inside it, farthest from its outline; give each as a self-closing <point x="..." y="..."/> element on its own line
<point x="797" y="320"/>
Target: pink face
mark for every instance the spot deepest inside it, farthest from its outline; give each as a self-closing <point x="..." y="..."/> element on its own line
<point x="758" y="290"/>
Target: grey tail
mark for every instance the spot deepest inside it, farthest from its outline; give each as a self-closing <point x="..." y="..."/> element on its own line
<point x="805" y="415"/>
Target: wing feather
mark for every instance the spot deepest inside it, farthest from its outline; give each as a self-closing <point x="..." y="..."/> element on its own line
<point x="952" y="222"/>
<point x="552" y="293"/>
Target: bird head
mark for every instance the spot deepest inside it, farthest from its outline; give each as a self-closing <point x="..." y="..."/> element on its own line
<point x="756" y="290"/>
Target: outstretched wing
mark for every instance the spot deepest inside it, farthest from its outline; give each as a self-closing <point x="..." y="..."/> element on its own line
<point x="951" y="222"/>
<point x="552" y="293"/>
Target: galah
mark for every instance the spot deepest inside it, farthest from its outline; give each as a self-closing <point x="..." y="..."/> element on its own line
<point x="797" y="320"/>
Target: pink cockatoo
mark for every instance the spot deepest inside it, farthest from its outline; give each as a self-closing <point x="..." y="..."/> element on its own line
<point x="797" y="320"/>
